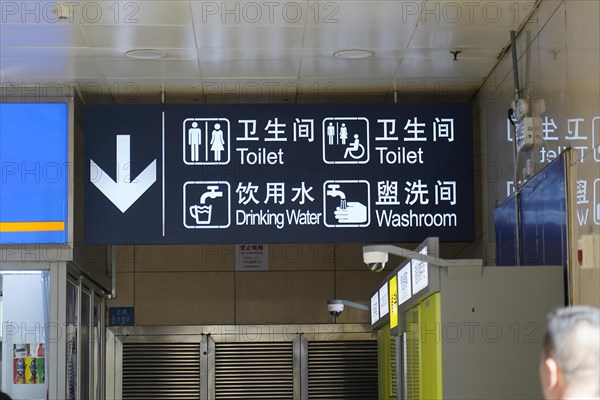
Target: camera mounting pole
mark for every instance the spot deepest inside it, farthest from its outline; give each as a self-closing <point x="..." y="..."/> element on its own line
<point x="456" y="268"/>
<point x="349" y="304"/>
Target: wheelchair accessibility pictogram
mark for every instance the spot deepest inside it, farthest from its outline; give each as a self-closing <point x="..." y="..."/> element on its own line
<point x="356" y="150"/>
<point x="346" y="140"/>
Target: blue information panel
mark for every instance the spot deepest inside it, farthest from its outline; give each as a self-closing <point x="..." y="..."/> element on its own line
<point x="542" y="213"/>
<point x="121" y="316"/>
<point x="278" y="173"/>
<point x="33" y="173"/>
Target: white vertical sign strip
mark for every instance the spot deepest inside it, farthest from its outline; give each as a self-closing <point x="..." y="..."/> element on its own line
<point x="384" y="304"/>
<point x="375" y="308"/>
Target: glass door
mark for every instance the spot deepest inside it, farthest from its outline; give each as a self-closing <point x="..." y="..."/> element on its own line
<point x="72" y="332"/>
<point x="24" y="310"/>
<point x="85" y="341"/>
<point x="97" y="352"/>
<point x="431" y="347"/>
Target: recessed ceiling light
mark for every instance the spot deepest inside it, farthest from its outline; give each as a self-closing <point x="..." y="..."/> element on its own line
<point x="354" y="54"/>
<point x="145" y="54"/>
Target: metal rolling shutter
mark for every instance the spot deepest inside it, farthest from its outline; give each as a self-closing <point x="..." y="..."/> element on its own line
<point x="161" y="371"/>
<point x="340" y="370"/>
<point x="254" y="371"/>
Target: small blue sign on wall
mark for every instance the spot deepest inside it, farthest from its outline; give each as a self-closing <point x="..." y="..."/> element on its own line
<point x="121" y="316"/>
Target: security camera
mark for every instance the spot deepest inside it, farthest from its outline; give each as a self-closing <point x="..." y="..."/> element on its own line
<point x="375" y="260"/>
<point x="335" y="307"/>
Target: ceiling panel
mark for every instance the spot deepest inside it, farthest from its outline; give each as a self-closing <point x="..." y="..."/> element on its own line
<point x="444" y="69"/>
<point x="449" y="13"/>
<point x="437" y="88"/>
<point x="94" y="91"/>
<point x="339" y="68"/>
<point x="131" y="68"/>
<point x="338" y="86"/>
<point x="49" y="69"/>
<point x="40" y="12"/>
<point x="41" y="35"/>
<point x="134" y="89"/>
<point x="457" y="37"/>
<point x="445" y="53"/>
<point x="86" y="52"/>
<point x="582" y="45"/>
<point x="249" y="90"/>
<point x="583" y="32"/>
<point x="545" y="11"/>
<point x="140" y="36"/>
<point x="239" y="37"/>
<point x="250" y="68"/>
<point x="328" y="98"/>
<point x="131" y="13"/>
<point x="215" y="48"/>
<point x="352" y="37"/>
<point x="400" y="14"/>
<point x="217" y="91"/>
<point x="253" y="53"/>
<point x="287" y="13"/>
<point x="501" y="75"/>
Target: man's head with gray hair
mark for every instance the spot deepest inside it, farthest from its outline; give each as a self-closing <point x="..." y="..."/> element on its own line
<point x="570" y="362"/>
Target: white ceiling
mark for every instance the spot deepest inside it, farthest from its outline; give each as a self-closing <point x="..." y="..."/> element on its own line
<point x="248" y="51"/>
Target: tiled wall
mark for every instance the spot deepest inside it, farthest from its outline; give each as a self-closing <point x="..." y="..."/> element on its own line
<point x="187" y="285"/>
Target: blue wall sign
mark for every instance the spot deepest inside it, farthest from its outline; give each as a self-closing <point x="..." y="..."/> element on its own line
<point x="121" y="316"/>
<point x="33" y="173"/>
<point x="278" y="173"/>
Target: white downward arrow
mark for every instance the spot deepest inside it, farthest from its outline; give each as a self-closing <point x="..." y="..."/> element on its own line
<point x="122" y="192"/>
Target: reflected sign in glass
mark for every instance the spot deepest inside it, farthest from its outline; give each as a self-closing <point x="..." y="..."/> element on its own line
<point x="33" y="173"/>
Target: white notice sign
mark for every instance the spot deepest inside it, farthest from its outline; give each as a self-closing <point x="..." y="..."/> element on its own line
<point x="404" y="284"/>
<point x="420" y="278"/>
<point x="384" y="306"/>
<point x="374" y="308"/>
<point x="251" y="257"/>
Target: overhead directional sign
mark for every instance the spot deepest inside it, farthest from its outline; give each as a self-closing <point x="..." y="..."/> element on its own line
<point x="278" y="173"/>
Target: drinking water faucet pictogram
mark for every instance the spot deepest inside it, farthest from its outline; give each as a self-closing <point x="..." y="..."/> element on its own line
<point x="201" y="212"/>
<point x="212" y="193"/>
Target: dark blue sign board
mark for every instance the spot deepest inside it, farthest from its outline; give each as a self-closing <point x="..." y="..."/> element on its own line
<point x="121" y="316"/>
<point x="278" y="173"/>
<point x="542" y="213"/>
<point x="33" y="173"/>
